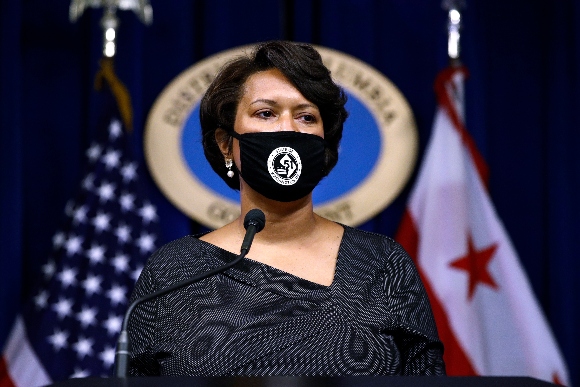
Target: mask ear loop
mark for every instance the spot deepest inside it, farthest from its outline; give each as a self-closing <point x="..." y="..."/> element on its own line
<point x="233" y="133"/>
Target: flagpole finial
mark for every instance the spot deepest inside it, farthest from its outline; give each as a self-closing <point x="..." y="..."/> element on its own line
<point x="453" y="8"/>
<point x="110" y="22"/>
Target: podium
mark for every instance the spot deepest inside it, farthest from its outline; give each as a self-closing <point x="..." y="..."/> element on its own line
<point x="283" y="381"/>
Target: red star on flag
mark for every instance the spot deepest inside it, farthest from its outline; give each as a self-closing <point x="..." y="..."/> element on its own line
<point x="475" y="263"/>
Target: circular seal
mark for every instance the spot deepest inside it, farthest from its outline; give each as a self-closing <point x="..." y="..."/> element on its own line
<point x="284" y="165"/>
<point x="377" y="153"/>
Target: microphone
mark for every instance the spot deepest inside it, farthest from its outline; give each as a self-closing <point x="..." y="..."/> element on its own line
<point x="254" y="222"/>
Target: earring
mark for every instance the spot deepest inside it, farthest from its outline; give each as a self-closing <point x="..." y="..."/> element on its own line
<point x="229" y="164"/>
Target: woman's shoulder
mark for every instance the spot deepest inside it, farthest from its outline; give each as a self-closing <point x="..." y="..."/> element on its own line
<point x="368" y="239"/>
<point x="176" y="250"/>
<point x="375" y="251"/>
<point x="179" y="244"/>
<point x="180" y="259"/>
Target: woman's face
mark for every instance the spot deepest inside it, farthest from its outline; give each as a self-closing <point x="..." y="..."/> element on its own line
<point x="270" y="103"/>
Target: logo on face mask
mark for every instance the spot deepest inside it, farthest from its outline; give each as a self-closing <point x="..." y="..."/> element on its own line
<point x="284" y="165"/>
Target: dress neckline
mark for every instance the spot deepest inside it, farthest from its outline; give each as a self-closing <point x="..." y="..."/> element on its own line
<point x="271" y="278"/>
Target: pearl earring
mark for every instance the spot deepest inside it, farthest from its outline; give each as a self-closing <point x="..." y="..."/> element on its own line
<point x="229" y="164"/>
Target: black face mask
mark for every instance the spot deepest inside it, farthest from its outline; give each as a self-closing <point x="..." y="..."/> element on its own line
<point x="282" y="166"/>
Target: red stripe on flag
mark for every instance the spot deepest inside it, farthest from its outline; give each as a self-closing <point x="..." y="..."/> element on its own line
<point x="456" y="361"/>
<point x="5" y="380"/>
<point x="444" y="100"/>
<point x="556" y="379"/>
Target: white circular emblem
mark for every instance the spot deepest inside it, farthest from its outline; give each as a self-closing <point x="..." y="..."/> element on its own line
<point x="284" y="165"/>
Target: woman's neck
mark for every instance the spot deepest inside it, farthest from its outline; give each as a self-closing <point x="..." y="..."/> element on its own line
<point x="284" y="221"/>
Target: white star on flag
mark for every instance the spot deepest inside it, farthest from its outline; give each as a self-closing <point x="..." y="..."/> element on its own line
<point x="63" y="308"/>
<point x="73" y="245"/>
<point x="92" y="284"/>
<point x="88" y="182"/>
<point x="117" y="294"/>
<point x="94" y="152"/>
<point x="106" y="191"/>
<point x="146" y="243"/>
<point x="41" y="299"/>
<point x="121" y="263"/>
<point x="80" y="215"/>
<point x="127" y="201"/>
<point x="111" y="159"/>
<point x="87" y="316"/>
<point x="59" y="340"/>
<point x="96" y="254"/>
<point x="48" y="269"/>
<point x="129" y="172"/>
<point x="108" y="356"/>
<point x="123" y="233"/>
<point x="113" y="324"/>
<point x="58" y="240"/>
<point x="148" y="213"/>
<point x="101" y="221"/>
<point x="67" y="277"/>
<point x="83" y="347"/>
<point x="115" y="129"/>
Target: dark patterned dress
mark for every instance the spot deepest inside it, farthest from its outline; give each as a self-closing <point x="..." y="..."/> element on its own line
<point x="256" y="320"/>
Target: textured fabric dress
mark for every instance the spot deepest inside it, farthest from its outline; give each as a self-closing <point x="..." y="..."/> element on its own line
<point x="256" y="320"/>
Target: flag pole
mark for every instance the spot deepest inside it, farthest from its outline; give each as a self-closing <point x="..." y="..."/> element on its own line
<point x="110" y="25"/>
<point x="454" y="25"/>
<point x="109" y="21"/>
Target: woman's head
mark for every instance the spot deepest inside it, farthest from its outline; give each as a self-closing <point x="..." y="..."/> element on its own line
<point x="303" y="67"/>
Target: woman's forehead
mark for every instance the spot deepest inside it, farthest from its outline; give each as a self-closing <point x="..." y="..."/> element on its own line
<point x="269" y="85"/>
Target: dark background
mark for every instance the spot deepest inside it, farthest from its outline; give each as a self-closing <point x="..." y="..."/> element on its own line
<point x="522" y="109"/>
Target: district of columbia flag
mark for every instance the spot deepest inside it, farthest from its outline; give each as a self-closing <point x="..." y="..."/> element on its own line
<point x="70" y="326"/>
<point x="487" y="315"/>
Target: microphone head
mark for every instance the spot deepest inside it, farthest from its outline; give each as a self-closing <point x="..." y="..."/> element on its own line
<point x="256" y="218"/>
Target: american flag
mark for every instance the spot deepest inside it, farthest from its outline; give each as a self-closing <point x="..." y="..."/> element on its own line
<point x="70" y="326"/>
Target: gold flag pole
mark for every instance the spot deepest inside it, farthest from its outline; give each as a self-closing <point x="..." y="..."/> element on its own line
<point x="109" y="25"/>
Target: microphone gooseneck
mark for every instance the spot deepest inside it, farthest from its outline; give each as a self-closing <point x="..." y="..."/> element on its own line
<point x="254" y="222"/>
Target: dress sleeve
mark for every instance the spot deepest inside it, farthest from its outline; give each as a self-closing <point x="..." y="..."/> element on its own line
<point x="142" y="328"/>
<point x="416" y="336"/>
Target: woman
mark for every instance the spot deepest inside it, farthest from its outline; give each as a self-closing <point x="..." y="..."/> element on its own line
<point x="313" y="297"/>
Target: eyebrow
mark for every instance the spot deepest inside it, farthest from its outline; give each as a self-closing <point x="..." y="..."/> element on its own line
<point x="267" y="101"/>
<point x="274" y="103"/>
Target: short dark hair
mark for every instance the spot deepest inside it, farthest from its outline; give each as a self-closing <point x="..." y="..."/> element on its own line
<point x="302" y="65"/>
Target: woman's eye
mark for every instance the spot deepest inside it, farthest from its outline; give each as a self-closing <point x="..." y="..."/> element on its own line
<point x="309" y="118"/>
<point x="265" y="114"/>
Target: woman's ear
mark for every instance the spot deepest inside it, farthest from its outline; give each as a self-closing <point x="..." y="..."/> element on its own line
<point x="224" y="142"/>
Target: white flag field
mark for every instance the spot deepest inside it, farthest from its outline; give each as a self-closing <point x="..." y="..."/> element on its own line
<point x="487" y="315"/>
